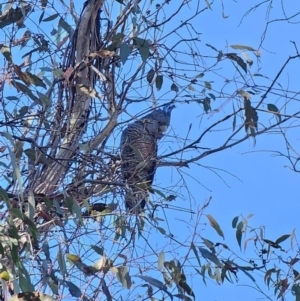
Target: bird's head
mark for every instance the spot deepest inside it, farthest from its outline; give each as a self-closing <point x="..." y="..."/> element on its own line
<point x="167" y="108"/>
<point x="162" y="117"/>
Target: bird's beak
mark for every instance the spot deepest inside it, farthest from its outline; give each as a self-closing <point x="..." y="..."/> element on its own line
<point x="163" y="128"/>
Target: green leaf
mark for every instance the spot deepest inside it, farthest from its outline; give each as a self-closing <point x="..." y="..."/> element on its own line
<point x="215" y="225"/>
<point x="98" y="250"/>
<point x="207" y="85"/>
<point x="63" y="24"/>
<point x="24" y="285"/>
<point x="272" y="108"/>
<point x="124" y="52"/>
<point x="143" y="47"/>
<point x="296" y="291"/>
<point x="16" y="212"/>
<point x="268" y="274"/>
<point x="210" y="256"/>
<point x="35" y="80"/>
<point x="105" y="290"/>
<point x="174" y="88"/>
<point x="69" y="203"/>
<point x="25" y="90"/>
<point x="196" y="253"/>
<point x="234" y="119"/>
<point x="296" y="274"/>
<point x="282" y="238"/>
<point x="159" y="81"/>
<point x="212" y="96"/>
<point x="150" y="75"/>
<point x="246" y="273"/>
<point x="206" y="104"/>
<point x="124" y="277"/>
<point x="46" y="250"/>
<point x="234" y="221"/>
<point x="73" y="289"/>
<point x="31" y="205"/>
<point x="191" y="88"/>
<point x="242" y="47"/>
<point x="61" y="262"/>
<point x="186" y="287"/>
<point x="28" y="284"/>
<point x="4" y="196"/>
<point x="50" y="18"/>
<point x="154" y="282"/>
<point x="161" y="230"/>
<point x="77" y="210"/>
<point x="238" y="235"/>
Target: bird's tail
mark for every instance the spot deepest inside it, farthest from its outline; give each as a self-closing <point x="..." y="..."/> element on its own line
<point x="135" y="200"/>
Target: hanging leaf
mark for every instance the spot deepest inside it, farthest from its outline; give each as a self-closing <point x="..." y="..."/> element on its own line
<point x="272" y="108"/>
<point x="238" y="235"/>
<point x="174" y="88"/>
<point x="196" y="253"/>
<point x="159" y="82"/>
<point x="143" y="47"/>
<point x="124" y="277"/>
<point x="206" y="104"/>
<point x="161" y="230"/>
<point x="234" y="221"/>
<point x="98" y="250"/>
<point x="35" y="80"/>
<point x="215" y="225"/>
<point x="237" y="59"/>
<point x="124" y="52"/>
<point x="161" y="260"/>
<point x="210" y="256"/>
<point x="150" y="75"/>
<point x="31" y="205"/>
<point x="105" y="290"/>
<point x="244" y="270"/>
<point x="182" y="283"/>
<point x="61" y="262"/>
<point x="207" y="85"/>
<point x="63" y="24"/>
<point x="73" y="289"/>
<point x="234" y="118"/>
<point x="46" y="250"/>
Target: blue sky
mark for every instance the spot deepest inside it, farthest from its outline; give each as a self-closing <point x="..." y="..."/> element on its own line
<point x="266" y="187"/>
<point x="249" y="179"/>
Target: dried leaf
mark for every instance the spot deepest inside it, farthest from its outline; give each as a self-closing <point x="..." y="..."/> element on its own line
<point x="215" y="225"/>
<point x="161" y="260"/>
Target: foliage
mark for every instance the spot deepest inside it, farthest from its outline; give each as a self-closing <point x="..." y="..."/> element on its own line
<point x="72" y="79"/>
